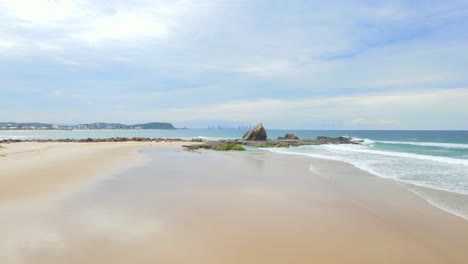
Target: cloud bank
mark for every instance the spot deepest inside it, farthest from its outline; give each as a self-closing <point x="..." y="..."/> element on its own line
<point x="305" y="64"/>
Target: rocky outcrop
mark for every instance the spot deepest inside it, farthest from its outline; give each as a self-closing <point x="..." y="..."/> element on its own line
<point x="321" y="140"/>
<point x="274" y="143"/>
<point x="217" y="145"/>
<point x="257" y="137"/>
<point x="289" y="136"/>
<point x="256" y="134"/>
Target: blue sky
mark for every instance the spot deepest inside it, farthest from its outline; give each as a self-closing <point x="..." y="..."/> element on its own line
<point x="289" y="64"/>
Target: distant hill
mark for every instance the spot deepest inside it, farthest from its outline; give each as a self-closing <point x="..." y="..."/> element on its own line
<point x="155" y="125"/>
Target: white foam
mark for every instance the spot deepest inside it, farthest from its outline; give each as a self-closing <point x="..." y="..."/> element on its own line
<point x="367" y="164"/>
<point x="439" y="204"/>
<point x="364" y="141"/>
<point x="350" y="154"/>
<point x="428" y="144"/>
<point x="355" y="163"/>
<point x="315" y="171"/>
<point x="361" y="149"/>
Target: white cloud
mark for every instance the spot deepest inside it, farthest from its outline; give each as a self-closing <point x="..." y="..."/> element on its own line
<point x="48" y="46"/>
<point x="122" y="26"/>
<point x="67" y="62"/>
<point x="372" y="122"/>
<point x="57" y="25"/>
<point x="6" y="44"/>
<point x="403" y="110"/>
<point x="157" y="55"/>
<point x="41" y="11"/>
<point x="265" y="69"/>
<point x="409" y="81"/>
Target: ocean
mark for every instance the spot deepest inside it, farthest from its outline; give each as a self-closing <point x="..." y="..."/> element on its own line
<point x="433" y="164"/>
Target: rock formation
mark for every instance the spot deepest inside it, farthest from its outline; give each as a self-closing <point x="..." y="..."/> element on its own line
<point x="257" y="134"/>
<point x="321" y="140"/>
<point x="289" y="136"/>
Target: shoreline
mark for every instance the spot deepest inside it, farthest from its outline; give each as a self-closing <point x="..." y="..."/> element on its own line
<point x="290" y="208"/>
<point x="15" y="156"/>
<point x="419" y="190"/>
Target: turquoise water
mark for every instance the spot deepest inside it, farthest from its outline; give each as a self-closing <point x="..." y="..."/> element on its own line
<point x="434" y="164"/>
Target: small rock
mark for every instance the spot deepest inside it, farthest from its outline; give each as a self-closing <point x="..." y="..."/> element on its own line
<point x="289" y="136"/>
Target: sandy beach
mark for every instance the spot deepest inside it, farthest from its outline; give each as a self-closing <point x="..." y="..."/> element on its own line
<point x="169" y="205"/>
<point x="233" y="132"/>
<point x="32" y="169"/>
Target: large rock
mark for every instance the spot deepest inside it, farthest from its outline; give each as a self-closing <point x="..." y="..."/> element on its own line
<point x="258" y="133"/>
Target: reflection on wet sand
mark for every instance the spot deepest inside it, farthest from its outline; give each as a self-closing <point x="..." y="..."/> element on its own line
<point x="206" y="208"/>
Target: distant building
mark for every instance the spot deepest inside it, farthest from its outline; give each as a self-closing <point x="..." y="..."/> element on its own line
<point x="53" y="127"/>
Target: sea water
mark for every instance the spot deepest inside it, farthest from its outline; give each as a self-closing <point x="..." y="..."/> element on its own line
<point x="433" y="164"/>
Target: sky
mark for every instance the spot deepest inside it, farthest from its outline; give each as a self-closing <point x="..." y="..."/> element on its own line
<point x="289" y="64"/>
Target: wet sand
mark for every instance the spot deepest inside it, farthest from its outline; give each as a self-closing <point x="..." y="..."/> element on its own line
<point x="217" y="207"/>
<point x="30" y="169"/>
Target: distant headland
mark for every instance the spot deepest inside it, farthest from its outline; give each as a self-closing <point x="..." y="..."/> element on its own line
<point x="90" y="126"/>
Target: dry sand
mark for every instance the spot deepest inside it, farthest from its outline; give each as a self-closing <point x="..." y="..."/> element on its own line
<point x="214" y="207"/>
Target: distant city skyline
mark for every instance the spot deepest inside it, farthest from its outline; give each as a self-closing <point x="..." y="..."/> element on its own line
<point x="104" y="125"/>
<point x="95" y="125"/>
<point x="288" y="64"/>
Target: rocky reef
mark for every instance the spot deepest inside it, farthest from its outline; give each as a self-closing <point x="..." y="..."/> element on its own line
<point x="274" y="143"/>
<point x="257" y="137"/>
<point x="226" y="147"/>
